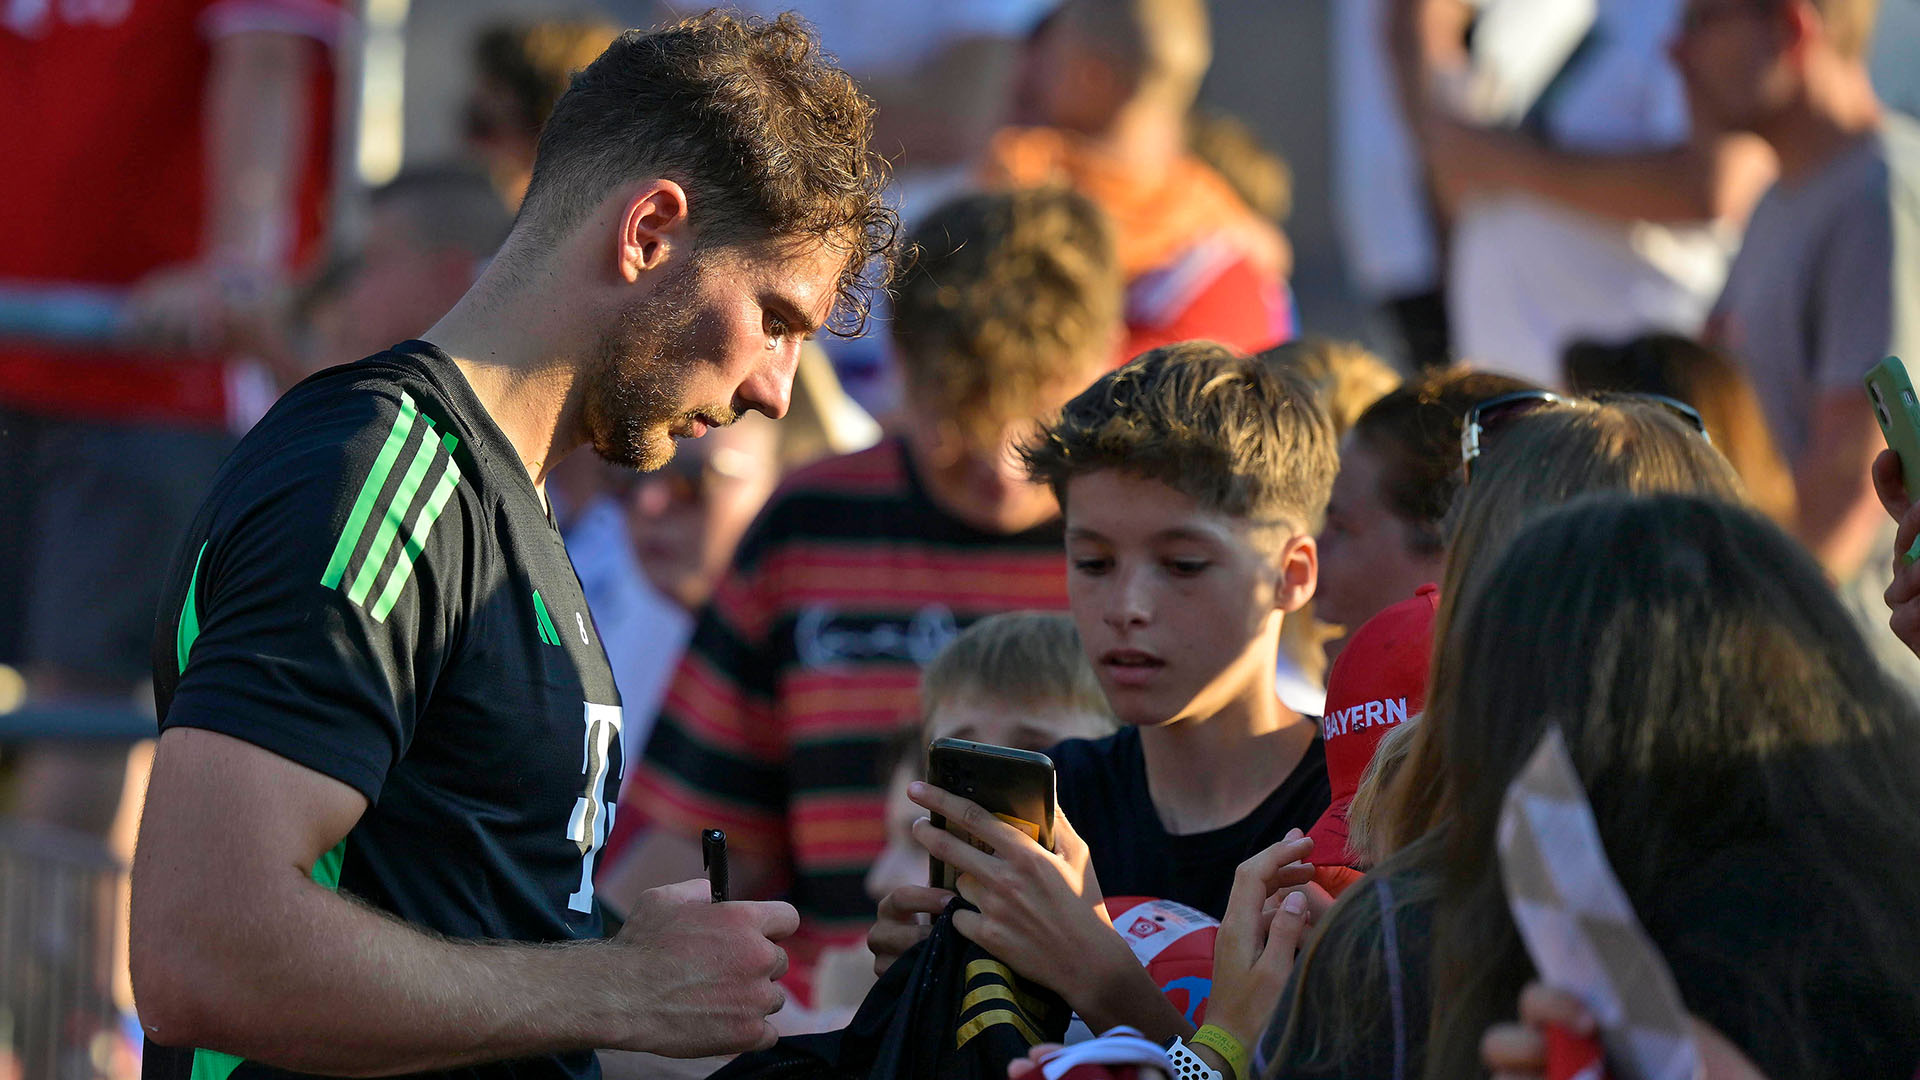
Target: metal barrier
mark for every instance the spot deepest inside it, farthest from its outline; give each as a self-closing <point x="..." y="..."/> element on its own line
<point x="57" y="897"/>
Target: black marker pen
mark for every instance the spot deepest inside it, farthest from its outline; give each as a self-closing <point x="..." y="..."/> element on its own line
<point x="713" y="853"/>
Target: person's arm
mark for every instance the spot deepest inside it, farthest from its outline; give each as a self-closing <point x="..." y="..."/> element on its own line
<point x="1838" y="511"/>
<point x="1424" y="40"/>
<point x="235" y="948"/>
<point x="256" y="109"/>
<point x="1042" y="914"/>
<point x="1713" y="178"/>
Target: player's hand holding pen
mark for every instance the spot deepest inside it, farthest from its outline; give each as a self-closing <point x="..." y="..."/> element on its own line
<point x="704" y="972"/>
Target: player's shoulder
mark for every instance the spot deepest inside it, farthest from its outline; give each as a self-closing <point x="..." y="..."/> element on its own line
<point x="382" y="424"/>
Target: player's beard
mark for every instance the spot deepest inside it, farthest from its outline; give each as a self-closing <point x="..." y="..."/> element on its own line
<point x="634" y="390"/>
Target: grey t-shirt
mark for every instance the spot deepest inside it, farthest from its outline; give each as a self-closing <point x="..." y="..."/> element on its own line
<point x="1827" y="282"/>
<point x="1826" y="285"/>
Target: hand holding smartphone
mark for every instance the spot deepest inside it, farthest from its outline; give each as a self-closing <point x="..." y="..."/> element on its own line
<point x="1015" y="786"/>
<point x="1897" y="409"/>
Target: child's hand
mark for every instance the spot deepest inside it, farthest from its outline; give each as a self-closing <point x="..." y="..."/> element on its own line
<point x="1267" y="917"/>
<point x="1041" y="913"/>
<point x="901" y="927"/>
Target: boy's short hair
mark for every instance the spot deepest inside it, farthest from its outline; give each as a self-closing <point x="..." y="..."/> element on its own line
<point x="1025" y="658"/>
<point x="1006" y="294"/>
<point x="1238" y="435"/>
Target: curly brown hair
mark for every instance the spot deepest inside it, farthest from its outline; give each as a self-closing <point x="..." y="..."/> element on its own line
<point x="766" y="135"/>
<point x="1236" y="434"/>
<point x="1008" y="294"/>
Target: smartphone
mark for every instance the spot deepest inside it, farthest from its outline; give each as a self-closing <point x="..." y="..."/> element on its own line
<point x="1015" y="786"/>
<point x="1898" y="411"/>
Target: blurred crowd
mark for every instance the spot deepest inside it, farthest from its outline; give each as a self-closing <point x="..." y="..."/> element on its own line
<point x="1546" y="204"/>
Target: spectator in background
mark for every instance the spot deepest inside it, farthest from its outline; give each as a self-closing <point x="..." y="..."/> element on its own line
<point x="1262" y="178"/>
<point x="428" y="233"/>
<point x="861" y="567"/>
<point x="1399" y="469"/>
<point x="1349" y="380"/>
<point x="1381" y="200"/>
<point x="1828" y="282"/>
<point x="520" y="70"/>
<point x="178" y="150"/>
<point x="1685" y="370"/>
<point x="1101" y="105"/>
<point x="1586" y="201"/>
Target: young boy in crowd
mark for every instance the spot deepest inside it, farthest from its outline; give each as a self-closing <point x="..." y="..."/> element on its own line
<point x="1019" y="680"/>
<point x="1192" y="481"/>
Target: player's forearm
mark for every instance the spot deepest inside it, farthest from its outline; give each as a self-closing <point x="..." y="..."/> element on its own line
<point x="315" y="982"/>
<point x="1685" y="184"/>
<point x="256" y="147"/>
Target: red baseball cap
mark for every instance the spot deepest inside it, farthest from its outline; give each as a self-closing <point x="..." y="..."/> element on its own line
<point x="1377" y="683"/>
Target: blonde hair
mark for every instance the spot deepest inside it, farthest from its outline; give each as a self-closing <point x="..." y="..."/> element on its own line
<point x="1027" y="658"/>
<point x="1365" y="834"/>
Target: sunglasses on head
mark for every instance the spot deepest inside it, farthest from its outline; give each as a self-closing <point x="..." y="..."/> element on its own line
<point x="1495" y="413"/>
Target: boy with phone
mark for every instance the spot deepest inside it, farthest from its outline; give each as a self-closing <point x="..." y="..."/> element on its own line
<point x="1193" y="481"/>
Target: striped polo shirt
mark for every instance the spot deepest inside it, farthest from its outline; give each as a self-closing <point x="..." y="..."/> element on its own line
<point x="808" y="660"/>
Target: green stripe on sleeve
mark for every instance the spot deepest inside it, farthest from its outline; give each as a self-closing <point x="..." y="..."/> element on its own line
<point x="417" y="536"/>
<point x="390" y="519"/>
<point x="189" y="630"/>
<point x="369" y="492"/>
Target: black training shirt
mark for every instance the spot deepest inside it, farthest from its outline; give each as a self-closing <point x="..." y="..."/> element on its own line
<point x="374" y="590"/>
<point x="1103" y="791"/>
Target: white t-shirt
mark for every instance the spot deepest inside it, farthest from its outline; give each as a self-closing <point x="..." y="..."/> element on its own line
<point x="1529" y="277"/>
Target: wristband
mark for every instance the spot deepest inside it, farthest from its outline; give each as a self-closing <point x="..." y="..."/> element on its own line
<point x="1228" y="1047"/>
<point x="1188" y="1065"/>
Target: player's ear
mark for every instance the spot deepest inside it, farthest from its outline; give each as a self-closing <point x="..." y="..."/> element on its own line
<point x="653" y="227"/>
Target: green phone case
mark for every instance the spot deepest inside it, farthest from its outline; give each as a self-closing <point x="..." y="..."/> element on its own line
<point x="1898" y="410"/>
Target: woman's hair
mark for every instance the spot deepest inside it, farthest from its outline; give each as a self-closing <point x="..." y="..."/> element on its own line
<point x="1537" y="462"/>
<point x="1415" y="432"/>
<point x="1752" y="770"/>
<point x="1718" y="390"/>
